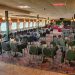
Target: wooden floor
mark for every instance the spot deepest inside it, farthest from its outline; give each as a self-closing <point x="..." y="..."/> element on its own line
<point x="9" y="69"/>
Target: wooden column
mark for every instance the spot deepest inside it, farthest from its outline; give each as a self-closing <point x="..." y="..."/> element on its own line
<point x="7" y="24"/>
<point x="38" y="20"/>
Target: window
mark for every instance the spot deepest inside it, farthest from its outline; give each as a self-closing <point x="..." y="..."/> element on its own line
<point x="43" y="23"/>
<point x="31" y="24"/>
<point x="21" y="25"/>
<point x="3" y="26"/>
<point x="40" y="24"/>
<point x="14" y="26"/>
<point x="26" y="24"/>
<point x="34" y="24"/>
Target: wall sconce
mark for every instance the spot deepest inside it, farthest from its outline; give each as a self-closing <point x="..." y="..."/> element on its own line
<point x="18" y="21"/>
<point x="74" y="19"/>
<point x="24" y="20"/>
<point x="71" y="20"/>
<point x="3" y="18"/>
<point x="9" y="19"/>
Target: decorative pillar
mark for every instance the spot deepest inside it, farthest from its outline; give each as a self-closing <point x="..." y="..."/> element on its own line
<point x="10" y="25"/>
<point x="0" y="26"/>
<point x="24" y="24"/>
<point x="33" y="23"/>
<point x="45" y="22"/>
<point x="29" y="24"/>
<point x="38" y="20"/>
<point x="74" y="20"/>
<point x="18" y="23"/>
<point x="48" y="20"/>
<point x="7" y="24"/>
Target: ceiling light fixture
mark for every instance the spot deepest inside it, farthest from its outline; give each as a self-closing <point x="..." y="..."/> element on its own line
<point x="23" y="7"/>
<point x="58" y="4"/>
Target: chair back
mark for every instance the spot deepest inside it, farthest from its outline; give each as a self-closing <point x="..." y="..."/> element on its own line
<point x="6" y="46"/>
<point x="14" y="47"/>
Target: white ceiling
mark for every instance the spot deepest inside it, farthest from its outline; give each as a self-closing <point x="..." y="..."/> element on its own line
<point x="37" y="7"/>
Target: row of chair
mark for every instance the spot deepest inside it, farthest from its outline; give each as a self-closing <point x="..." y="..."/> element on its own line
<point x="12" y="47"/>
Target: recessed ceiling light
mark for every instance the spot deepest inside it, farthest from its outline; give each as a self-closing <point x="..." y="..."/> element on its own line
<point x="23" y="7"/>
<point x="58" y="4"/>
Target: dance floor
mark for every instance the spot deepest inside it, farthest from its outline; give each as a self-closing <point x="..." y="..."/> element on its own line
<point x="9" y="69"/>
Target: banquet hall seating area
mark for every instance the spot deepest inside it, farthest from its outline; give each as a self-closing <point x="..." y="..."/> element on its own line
<point x="42" y="48"/>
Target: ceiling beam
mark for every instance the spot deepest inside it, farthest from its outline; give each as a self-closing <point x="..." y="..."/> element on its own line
<point x="28" y="16"/>
<point x="9" y="8"/>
